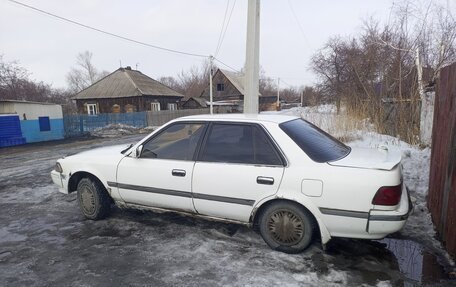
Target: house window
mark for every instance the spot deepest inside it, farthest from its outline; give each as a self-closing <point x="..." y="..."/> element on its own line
<point x="220" y="87"/>
<point x="172" y="106"/>
<point x="92" y="109"/>
<point x="45" y="124"/>
<point x="155" y="107"/>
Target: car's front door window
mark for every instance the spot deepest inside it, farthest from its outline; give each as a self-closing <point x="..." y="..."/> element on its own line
<point x="176" y="142"/>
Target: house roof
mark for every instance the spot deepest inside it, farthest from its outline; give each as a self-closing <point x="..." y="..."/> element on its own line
<point x="237" y="79"/>
<point x="125" y="82"/>
<point x="200" y="101"/>
<point x="28" y="102"/>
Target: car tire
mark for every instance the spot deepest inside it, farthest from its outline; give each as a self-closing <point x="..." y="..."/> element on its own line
<point x="93" y="199"/>
<point x="286" y="227"/>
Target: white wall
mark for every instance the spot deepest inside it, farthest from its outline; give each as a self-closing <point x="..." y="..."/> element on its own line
<point x="32" y="110"/>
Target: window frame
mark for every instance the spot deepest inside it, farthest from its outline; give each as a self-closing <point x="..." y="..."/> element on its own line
<point x="222" y="87"/>
<point x="205" y="125"/>
<point x="272" y="142"/>
<point x="155" y="104"/>
<point x="174" y="105"/>
<point x="95" y="110"/>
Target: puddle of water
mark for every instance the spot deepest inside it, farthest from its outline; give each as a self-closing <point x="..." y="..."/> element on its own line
<point x="416" y="263"/>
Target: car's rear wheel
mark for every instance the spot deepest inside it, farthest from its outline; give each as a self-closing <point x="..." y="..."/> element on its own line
<point x="286" y="227"/>
<point x="93" y="199"/>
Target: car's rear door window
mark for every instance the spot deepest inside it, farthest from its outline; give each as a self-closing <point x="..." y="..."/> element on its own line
<point x="317" y="144"/>
<point x="239" y="143"/>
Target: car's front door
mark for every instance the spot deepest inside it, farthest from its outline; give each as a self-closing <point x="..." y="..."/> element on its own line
<point x="162" y="175"/>
<point x="237" y="166"/>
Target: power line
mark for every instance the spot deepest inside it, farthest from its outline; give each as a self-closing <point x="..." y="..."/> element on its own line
<point x="299" y="24"/>
<point x="229" y="67"/>
<point x="106" y="32"/>
<point x="223" y="26"/>
<point x="226" y="28"/>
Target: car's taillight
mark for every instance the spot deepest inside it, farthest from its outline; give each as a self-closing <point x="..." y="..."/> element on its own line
<point x="388" y="195"/>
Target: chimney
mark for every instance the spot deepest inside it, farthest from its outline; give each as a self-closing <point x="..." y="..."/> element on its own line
<point x="128" y="68"/>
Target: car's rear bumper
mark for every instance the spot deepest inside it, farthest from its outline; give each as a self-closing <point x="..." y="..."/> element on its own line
<point x="386" y="222"/>
<point x="377" y="223"/>
<point x="60" y="180"/>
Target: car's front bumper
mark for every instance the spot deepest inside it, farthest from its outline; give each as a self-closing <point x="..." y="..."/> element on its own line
<point x="60" y="180"/>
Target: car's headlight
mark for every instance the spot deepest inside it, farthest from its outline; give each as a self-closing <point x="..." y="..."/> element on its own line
<point x="58" y="167"/>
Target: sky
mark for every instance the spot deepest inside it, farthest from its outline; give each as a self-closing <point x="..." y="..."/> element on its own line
<point x="291" y="31"/>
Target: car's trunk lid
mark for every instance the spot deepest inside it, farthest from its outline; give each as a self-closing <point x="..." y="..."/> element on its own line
<point x="380" y="158"/>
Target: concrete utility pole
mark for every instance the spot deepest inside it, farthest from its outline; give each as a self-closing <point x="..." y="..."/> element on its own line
<point x="211" y="59"/>
<point x="278" y="93"/>
<point x="252" y="58"/>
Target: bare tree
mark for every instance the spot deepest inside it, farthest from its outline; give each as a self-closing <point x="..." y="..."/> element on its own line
<point x="84" y="74"/>
<point x="15" y="84"/>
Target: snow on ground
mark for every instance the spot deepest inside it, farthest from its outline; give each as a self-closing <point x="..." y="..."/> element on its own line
<point x="117" y="130"/>
<point x="415" y="162"/>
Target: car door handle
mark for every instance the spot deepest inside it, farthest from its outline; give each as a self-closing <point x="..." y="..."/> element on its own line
<point x="265" y="180"/>
<point x="178" y="172"/>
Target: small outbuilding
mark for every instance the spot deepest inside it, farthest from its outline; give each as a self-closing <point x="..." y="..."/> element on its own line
<point x="194" y="103"/>
<point x="126" y="90"/>
<point x="26" y="122"/>
<point x="229" y="87"/>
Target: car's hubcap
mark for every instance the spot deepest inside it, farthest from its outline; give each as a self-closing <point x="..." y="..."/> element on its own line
<point x="286" y="227"/>
<point x="88" y="200"/>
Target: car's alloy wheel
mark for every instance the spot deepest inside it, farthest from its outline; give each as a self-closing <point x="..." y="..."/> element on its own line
<point x="93" y="199"/>
<point x="286" y="226"/>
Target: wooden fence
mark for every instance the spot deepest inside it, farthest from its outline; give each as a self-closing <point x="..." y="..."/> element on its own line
<point x="442" y="183"/>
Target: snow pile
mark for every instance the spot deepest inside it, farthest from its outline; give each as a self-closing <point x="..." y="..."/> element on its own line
<point x="116" y="130"/>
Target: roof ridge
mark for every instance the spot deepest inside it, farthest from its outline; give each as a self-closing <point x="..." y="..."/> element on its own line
<point x="133" y="82"/>
<point x="99" y="80"/>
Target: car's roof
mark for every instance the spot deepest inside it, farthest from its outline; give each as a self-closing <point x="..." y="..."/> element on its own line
<point x="274" y="118"/>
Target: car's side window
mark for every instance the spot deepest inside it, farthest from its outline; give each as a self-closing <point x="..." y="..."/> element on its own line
<point x="265" y="153"/>
<point x="237" y="143"/>
<point x="178" y="142"/>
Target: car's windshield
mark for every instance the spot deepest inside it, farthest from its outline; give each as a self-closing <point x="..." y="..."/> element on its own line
<point x="317" y="144"/>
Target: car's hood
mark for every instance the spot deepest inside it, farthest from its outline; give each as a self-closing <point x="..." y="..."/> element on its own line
<point x="109" y="151"/>
<point x="381" y="158"/>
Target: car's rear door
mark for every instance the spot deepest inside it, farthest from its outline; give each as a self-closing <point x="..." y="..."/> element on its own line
<point x="238" y="165"/>
<point x="162" y="175"/>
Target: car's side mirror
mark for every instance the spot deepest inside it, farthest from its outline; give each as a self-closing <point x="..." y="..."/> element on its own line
<point x="138" y="151"/>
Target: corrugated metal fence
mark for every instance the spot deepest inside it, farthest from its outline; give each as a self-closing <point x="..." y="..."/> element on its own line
<point x="76" y="125"/>
<point x="442" y="184"/>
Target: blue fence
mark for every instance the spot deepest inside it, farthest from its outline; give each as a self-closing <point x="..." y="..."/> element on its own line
<point x="76" y="125"/>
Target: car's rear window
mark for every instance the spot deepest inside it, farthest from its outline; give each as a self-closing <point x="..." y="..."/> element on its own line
<point x="317" y="144"/>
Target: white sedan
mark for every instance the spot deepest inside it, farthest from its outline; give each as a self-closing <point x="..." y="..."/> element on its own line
<point x="279" y="174"/>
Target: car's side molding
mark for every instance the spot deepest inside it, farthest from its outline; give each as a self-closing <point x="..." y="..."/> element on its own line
<point x="150" y="189"/>
<point x="241" y="201"/>
<point x="346" y="213"/>
<point x="365" y="215"/>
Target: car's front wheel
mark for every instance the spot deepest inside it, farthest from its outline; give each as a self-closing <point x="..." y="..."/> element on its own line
<point x="286" y="227"/>
<point x="93" y="199"/>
